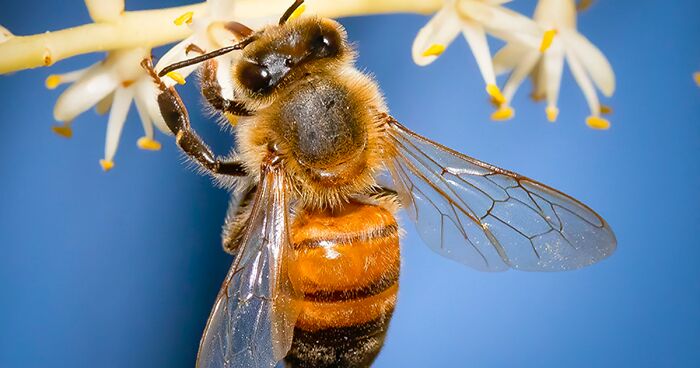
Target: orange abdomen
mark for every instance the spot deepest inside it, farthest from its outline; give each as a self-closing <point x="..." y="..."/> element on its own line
<point x="347" y="269"/>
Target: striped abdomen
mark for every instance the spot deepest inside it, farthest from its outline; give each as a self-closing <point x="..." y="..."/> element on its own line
<point x="347" y="268"/>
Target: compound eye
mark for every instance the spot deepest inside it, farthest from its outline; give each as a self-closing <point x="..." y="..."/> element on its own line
<point x="325" y="45"/>
<point x="255" y="77"/>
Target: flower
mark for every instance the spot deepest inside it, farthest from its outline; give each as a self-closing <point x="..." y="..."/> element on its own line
<point x="473" y="18"/>
<point x="209" y="32"/>
<point x="110" y="85"/>
<point x="544" y="62"/>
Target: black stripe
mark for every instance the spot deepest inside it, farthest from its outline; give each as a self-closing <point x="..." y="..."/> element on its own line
<point x="387" y="231"/>
<point x="387" y="280"/>
<point x="338" y="336"/>
<point x="353" y="346"/>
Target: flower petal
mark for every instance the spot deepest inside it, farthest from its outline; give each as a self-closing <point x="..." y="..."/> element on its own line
<point x="593" y="61"/>
<point x="117" y="117"/>
<point x="104" y="104"/>
<point x="223" y="74"/>
<point x="95" y="85"/>
<point x="441" y="30"/>
<point x="521" y="71"/>
<point x="539" y="81"/>
<point x="179" y="53"/>
<point x="553" y="66"/>
<point x="146" y="96"/>
<point x="476" y="38"/>
<point x="144" y="117"/>
<point x="508" y="57"/>
<point x="55" y="80"/>
<point x="584" y="82"/>
<point x="502" y="22"/>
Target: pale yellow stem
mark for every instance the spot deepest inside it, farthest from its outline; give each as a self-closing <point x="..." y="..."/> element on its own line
<point x="152" y="28"/>
<point x="105" y="10"/>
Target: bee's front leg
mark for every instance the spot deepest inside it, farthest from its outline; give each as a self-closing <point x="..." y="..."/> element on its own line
<point x="211" y="90"/>
<point x="175" y="115"/>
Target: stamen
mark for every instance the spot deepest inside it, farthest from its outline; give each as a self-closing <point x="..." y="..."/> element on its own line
<point x="547" y="40"/>
<point x="503" y="113"/>
<point x="52" y="81"/>
<point x="148" y="144"/>
<point x="435" y="49"/>
<point x="177" y="77"/>
<point x="495" y="93"/>
<point x="106" y="165"/>
<point x="596" y="122"/>
<point x="297" y="12"/>
<point x="64" y="130"/>
<point x="606" y="110"/>
<point x="537" y="97"/>
<point x="552" y="113"/>
<point x="184" y="18"/>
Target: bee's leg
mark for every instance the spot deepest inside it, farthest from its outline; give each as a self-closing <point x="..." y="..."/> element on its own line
<point x="382" y="196"/>
<point x="212" y="91"/>
<point x="175" y="115"/>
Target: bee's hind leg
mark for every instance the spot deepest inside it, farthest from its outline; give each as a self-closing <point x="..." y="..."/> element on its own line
<point x="175" y="115"/>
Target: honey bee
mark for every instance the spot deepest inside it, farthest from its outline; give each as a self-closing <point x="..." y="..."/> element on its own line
<point x="315" y="276"/>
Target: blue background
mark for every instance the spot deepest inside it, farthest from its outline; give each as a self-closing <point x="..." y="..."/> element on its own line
<point x="121" y="269"/>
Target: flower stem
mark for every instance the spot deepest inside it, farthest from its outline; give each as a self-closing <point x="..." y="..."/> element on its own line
<point x="152" y="28"/>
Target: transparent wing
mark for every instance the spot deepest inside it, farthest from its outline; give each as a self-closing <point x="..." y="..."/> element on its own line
<point x="252" y="322"/>
<point x="489" y="218"/>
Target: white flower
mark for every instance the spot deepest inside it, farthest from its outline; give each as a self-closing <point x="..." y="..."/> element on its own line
<point x="208" y="33"/>
<point x="473" y="18"/>
<point x="544" y="61"/>
<point x="110" y="85"/>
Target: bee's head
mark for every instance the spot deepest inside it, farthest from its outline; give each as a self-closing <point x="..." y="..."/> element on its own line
<point x="282" y="53"/>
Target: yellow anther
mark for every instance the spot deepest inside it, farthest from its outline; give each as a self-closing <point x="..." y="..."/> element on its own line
<point x="185" y="18"/>
<point x="177" y="77"/>
<point x="52" y="81"/>
<point x="148" y="144"/>
<point x="107" y="165"/>
<point x="495" y="93"/>
<point x="435" y="49"/>
<point x="552" y="113"/>
<point x="547" y="39"/>
<point x="297" y="12"/>
<point x="63" y="130"/>
<point x="596" y="122"/>
<point x="503" y="113"/>
<point x="605" y="110"/>
<point x="696" y="76"/>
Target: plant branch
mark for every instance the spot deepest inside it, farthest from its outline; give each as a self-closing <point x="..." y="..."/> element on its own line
<point x="152" y="28"/>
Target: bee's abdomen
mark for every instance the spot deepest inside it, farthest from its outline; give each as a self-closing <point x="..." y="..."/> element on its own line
<point x="347" y="269"/>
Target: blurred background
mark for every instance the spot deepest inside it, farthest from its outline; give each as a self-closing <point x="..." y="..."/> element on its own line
<point x="120" y="269"/>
